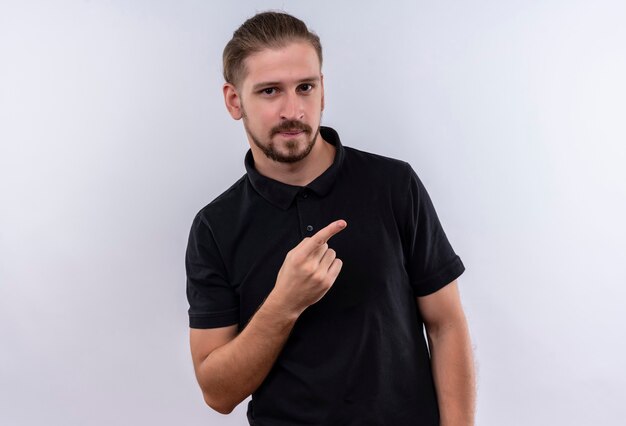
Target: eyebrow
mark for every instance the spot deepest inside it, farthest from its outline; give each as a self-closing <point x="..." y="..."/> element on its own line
<point x="259" y="86"/>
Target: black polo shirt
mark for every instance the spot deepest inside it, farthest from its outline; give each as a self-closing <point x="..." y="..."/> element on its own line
<point x="358" y="356"/>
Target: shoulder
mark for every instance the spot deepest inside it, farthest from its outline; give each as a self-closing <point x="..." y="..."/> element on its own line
<point x="387" y="169"/>
<point x="387" y="180"/>
<point x="225" y="204"/>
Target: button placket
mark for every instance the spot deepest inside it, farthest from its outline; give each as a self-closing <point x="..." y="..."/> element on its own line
<point x="306" y="216"/>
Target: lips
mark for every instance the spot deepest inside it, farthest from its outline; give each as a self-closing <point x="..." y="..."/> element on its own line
<point x="290" y="133"/>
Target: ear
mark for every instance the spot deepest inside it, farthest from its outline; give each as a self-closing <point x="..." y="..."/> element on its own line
<point x="232" y="101"/>
<point x="322" y="86"/>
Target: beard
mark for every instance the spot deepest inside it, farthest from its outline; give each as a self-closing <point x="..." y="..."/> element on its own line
<point x="294" y="153"/>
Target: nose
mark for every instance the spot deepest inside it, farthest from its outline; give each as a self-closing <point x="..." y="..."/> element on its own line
<point x="292" y="107"/>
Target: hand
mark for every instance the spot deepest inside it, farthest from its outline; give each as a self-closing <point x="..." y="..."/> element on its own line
<point x="309" y="271"/>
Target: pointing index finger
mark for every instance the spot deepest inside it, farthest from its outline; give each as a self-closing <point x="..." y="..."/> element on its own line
<point x="323" y="235"/>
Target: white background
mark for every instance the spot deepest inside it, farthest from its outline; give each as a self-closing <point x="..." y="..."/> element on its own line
<point x="113" y="135"/>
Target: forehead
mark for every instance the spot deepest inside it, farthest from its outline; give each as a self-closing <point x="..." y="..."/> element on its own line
<point x="292" y="63"/>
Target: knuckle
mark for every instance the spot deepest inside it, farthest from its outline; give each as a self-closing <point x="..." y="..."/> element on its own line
<point x="297" y="255"/>
<point x="308" y="268"/>
<point x="319" y="276"/>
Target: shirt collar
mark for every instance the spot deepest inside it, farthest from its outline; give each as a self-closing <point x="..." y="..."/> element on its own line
<point x="281" y="194"/>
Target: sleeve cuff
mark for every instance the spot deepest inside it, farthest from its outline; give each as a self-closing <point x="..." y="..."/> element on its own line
<point x="440" y="279"/>
<point x="214" y="319"/>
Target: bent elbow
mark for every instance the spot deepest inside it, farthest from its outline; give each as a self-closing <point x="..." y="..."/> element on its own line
<point x="218" y="406"/>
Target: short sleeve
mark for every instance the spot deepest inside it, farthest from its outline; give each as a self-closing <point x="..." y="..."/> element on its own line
<point x="212" y="300"/>
<point x="430" y="260"/>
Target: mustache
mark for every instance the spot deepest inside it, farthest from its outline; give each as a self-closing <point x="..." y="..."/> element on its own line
<point x="291" y="126"/>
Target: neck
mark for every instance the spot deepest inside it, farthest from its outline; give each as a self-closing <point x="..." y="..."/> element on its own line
<point x="300" y="173"/>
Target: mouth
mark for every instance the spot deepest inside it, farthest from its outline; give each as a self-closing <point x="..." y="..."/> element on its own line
<point x="291" y="133"/>
<point x="290" y="129"/>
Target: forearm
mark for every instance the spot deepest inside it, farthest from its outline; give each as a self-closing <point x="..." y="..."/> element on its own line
<point x="228" y="374"/>
<point x="233" y="371"/>
<point x="453" y="373"/>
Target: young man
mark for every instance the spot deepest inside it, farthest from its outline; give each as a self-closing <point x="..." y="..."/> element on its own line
<point x="320" y="335"/>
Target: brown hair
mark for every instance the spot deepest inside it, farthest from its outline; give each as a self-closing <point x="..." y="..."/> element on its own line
<point x="264" y="30"/>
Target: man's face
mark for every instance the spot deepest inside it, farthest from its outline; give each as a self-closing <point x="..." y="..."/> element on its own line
<point x="281" y="101"/>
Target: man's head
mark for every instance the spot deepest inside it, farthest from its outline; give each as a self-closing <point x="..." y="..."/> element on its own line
<point x="266" y="30"/>
<point x="272" y="65"/>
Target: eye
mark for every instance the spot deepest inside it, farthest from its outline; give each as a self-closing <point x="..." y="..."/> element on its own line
<point x="268" y="91"/>
<point x="305" y="87"/>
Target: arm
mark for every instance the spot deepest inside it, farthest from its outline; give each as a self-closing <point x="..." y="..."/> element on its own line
<point x="451" y="355"/>
<point x="229" y="367"/>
